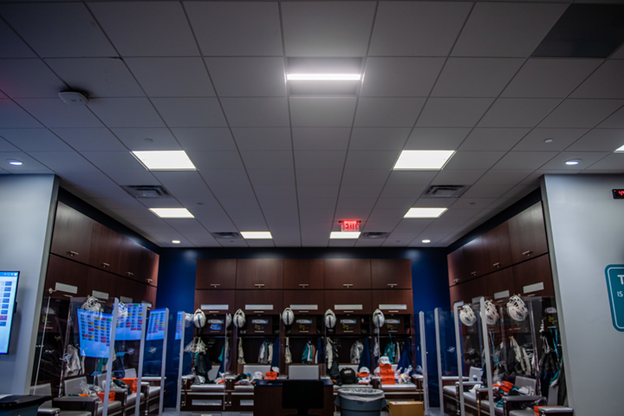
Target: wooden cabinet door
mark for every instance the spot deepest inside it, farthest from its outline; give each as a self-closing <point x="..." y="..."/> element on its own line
<point x="474" y="259"/>
<point x="149" y="267"/>
<point x="130" y="259"/>
<point x="391" y="273"/>
<point x="102" y="285"/>
<point x="129" y="291"/>
<point x="215" y="274"/>
<point x="527" y="234"/>
<point x="260" y="302"/>
<point x="394" y="301"/>
<point x="67" y="278"/>
<point x="534" y="277"/>
<point x="358" y="302"/>
<point x="456" y="266"/>
<point x="260" y="274"/>
<point x="499" y="285"/>
<point x="347" y="273"/>
<point x="473" y="289"/>
<point x="303" y="274"/>
<point x="305" y="302"/>
<point x="456" y="294"/>
<point x="497" y="248"/>
<point x="150" y="296"/>
<point x="215" y="302"/>
<point x="72" y="234"/>
<point x="105" y="247"/>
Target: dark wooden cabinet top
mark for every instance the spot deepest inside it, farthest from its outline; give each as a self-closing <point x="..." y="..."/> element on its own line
<point x="303" y="274"/>
<point x="72" y="234"/>
<point x="260" y="274"/>
<point x="215" y="274"/>
<point x="105" y="247"/>
<point x="347" y="273"/>
<point x="527" y="234"/>
<point x="391" y="273"/>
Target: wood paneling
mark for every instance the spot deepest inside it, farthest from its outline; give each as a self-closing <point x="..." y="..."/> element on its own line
<point x="149" y="267"/>
<point x="249" y="300"/>
<point x="456" y="266"/>
<point x="308" y="298"/>
<point x="498" y="282"/>
<point x="213" y="301"/>
<point x="260" y="274"/>
<point x="527" y="234"/>
<point x="388" y="301"/>
<point x="66" y="272"/>
<point x="102" y="281"/>
<point x="105" y="248"/>
<point x="130" y="259"/>
<point x="347" y="273"/>
<point x="349" y="302"/>
<point x="497" y="248"/>
<point x="534" y="277"/>
<point x="72" y="234"/>
<point x="215" y="274"/>
<point x="303" y="274"/>
<point x="474" y="259"/>
<point x="391" y="273"/>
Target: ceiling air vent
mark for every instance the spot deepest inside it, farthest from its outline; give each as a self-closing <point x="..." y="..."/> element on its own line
<point x="147" y="191"/>
<point x="374" y="235"/>
<point x="445" y="191"/>
<point x="226" y="236"/>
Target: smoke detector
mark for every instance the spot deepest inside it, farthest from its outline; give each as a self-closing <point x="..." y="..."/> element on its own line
<point x="372" y="235"/>
<point x="74" y="97"/>
<point x="147" y="191"/>
<point x="445" y="191"/>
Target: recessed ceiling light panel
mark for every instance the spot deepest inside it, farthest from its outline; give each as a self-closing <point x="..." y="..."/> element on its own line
<point x="164" y="159"/>
<point x="426" y="241"/>
<point x="256" y="235"/>
<point x="423" y="159"/>
<point x="14" y="162"/>
<point x="175" y="241"/>
<point x="344" y="235"/>
<point x="425" y="212"/>
<point x="172" y="212"/>
<point x="573" y="162"/>
<point x="323" y="77"/>
<point x="620" y="149"/>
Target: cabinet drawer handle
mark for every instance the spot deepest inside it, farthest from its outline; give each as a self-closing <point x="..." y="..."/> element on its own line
<point x="456" y="280"/>
<point x="527" y="253"/>
<point x="72" y="253"/>
<point x="149" y="280"/>
<point x="213" y="311"/>
<point x="303" y="311"/>
<point x="496" y="264"/>
<point x="215" y="284"/>
<point x="473" y="273"/>
<point x="258" y="311"/>
<point x="130" y="274"/>
<point x="259" y="284"/>
<point x="392" y="284"/>
<point x="105" y="265"/>
<point x="348" y="311"/>
<point x="347" y="284"/>
<point x="393" y="311"/>
<point x="304" y="285"/>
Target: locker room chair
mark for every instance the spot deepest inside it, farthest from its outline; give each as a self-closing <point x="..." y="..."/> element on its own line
<point x="61" y="408"/>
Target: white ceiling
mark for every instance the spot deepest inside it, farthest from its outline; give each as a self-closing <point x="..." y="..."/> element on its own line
<point x="208" y="78"/>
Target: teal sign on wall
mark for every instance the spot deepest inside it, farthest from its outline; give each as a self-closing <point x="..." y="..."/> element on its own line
<point x="615" y="285"/>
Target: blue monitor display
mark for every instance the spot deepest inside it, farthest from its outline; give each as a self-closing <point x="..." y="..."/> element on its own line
<point x="8" y="292"/>
<point x="95" y="333"/>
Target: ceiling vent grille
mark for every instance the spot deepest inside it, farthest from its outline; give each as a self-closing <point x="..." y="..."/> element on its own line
<point x="227" y="236"/>
<point x="147" y="191"/>
<point x="445" y="191"/>
<point x="375" y="235"/>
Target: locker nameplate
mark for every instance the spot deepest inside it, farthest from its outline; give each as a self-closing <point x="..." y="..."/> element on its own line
<point x="533" y="288"/>
<point x="304" y="307"/>
<point x="349" y="307"/>
<point x="390" y="306"/>
<point x="259" y="307"/>
<point x="215" y="307"/>
<point x="246" y="402"/>
<point x="100" y="295"/>
<point x="62" y="287"/>
<point x="124" y="299"/>
<point x="500" y="295"/>
<point x="477" y="299"/>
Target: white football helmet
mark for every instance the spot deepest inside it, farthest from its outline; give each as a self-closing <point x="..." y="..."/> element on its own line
<point x="467" y="315"/>
<point x="228" y="320"/>
<point x="491" y="314"/>
<point x="378" y="318"/>
<point x="199" y="318"/>
<point x="288" y="316"/>
<point x="92" y="304"/>
<point x="239" y="318"/>
<point x="516" y="308"/>
<point x="330" y="318"/>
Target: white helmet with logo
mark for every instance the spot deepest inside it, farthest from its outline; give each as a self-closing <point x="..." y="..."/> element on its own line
<point x="228" y="320"/>
<point x="199" y="318"/>
<point x="378" y="318"/>
<point x="330" y="318"/>
<point x="491" y="314"/>
<point x="288" y="316"/>
<point x="467" y="315"/>
<point x="516" y="308"/>
<point x="239" y="318"/>
<point x="92" y="304"/>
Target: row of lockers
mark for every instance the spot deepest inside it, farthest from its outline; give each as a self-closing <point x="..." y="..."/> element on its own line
<point x="303" y="274"/>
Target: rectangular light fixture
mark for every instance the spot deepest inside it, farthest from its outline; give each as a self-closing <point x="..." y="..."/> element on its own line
<point x="164" y="159"/>
<point x="336" y="235"/>
<point x="323" y="77"/>
<point x="172" y="212"/>
<point x="256" y="235"/>
<point x="425" y="212"/>
<point x="423" y="159"/>
<point x="620" y="149"/>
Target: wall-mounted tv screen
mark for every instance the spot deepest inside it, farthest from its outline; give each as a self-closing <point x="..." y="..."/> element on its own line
<point x="8" y="292"/>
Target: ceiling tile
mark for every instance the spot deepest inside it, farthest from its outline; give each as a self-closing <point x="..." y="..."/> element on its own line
<point x="55" y="113"/>
<point x="63" y="161"/>
<point x="146" y="28"/>
<point x="100" y="77"/>
<point x="423" y="138"/>
<point x="611" y="163"/>
<point x="126" y="112"/>
<point x="29" y="78"/>
<point x="411" y="177"/>
<point x="475" y="77"/>
<point x="411" y="77"/>
<point x="359" y="159"/>
<point x="58" y="29"/>
<point x="365" y="176"/>
<point x="248" y="77"/>
<point x="109" y="161"/>
<point x="236" y="28"/>
<point x="184" y="184"/>
<point x="104" y="191"/>
<point x="506" y="29"/>
<point x="354" y="208"/>
<point x="30" y="164"/>
<point x="486" y="190"/>
<point x="453" y="112"/>
<point x="90" y="140"/>
<point x="172" y="77"/>
<point x="473" y="203"/>
<point x="322" y="112"/>
<point x="364" y="242"/>
<point x="605" y="140"/>
<point x="190" y="112"/>
<point x="327" y="29"/>
<point x="268" y="159"/>
<point x="6" y="146"/>
<point x="504" y="177"/>
<point x="561" y="138"/>
<point x="380" y="224"/>
<point x="587" y="159"/>
<point x="260" y="138"/>
<point x="310" y="207"/>
<point x="29" y="140"/>
<point x="147" y="138"/>
<point x="360" y="191"/>
<point x="320" y="159"/>
<point x="11" y="45"/>
<point x="550" y="78"/>
<point x="86" y="178"/>
<point x="616" y="120"/>
<point x="318" y="177"/>
<point x="198" y="138"/>
<point x="524" y="160"/>
<point x="581" y="113"/>
<point x="132" y="177"/>
<point x="618" y="54"/>
<point x="458" y="177"/>
<point x="517" y="112"/>
<point x="402" y="191"/>
<point x="417" y="28"/>
<point x="214" y="160"/>
<point x="272" y="177"/>
<point x="256" y="112"/>
<point x="388" y="112"/>
<point x="12" y="116"/>
<point x="243" y="207"/>
<point x="320" y="138"/>
<point x="605" y="82"/>
<point x="225" y="183"/>
<point x="493" y="139"/>
<point x="312" y="190"/>
<point x="473" y="160"/>
<point x="371" y="138"/>
<point x="341" y="243"/>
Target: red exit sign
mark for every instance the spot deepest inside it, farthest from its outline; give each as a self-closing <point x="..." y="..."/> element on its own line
<point x="618" y="194"/>
<point x="349" y="225"/>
